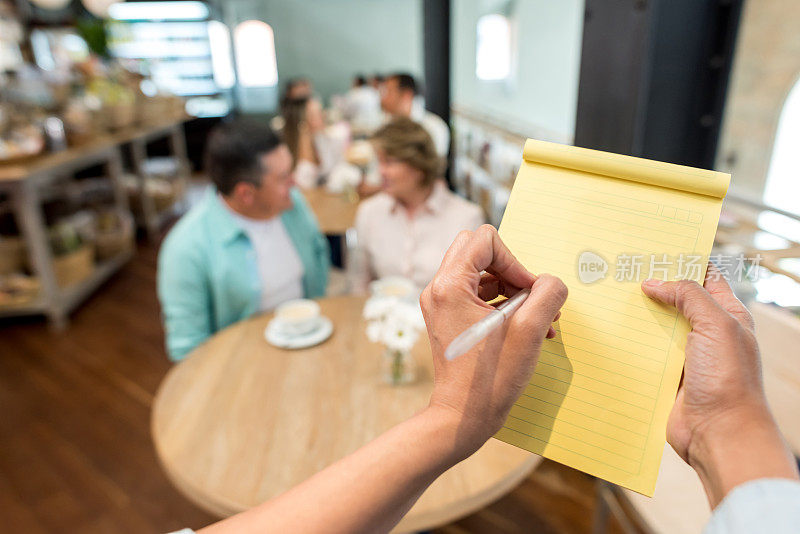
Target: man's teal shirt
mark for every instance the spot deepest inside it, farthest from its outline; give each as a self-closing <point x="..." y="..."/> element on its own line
<point x="207" y="273"/>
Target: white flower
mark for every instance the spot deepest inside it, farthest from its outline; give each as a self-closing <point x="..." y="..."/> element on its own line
<point x="410" y="314"/>
<point x="379" y="307"/>
<point x="393" y="322"/>
<point x="398" y="335"/>
<point x="375" y="331"/>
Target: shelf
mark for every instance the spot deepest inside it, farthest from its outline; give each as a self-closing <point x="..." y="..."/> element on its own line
<point x="55" y="302"/>
<point x="175" y="209"/>
<point x="69" y="297"/>
<point x="35" y="307"/>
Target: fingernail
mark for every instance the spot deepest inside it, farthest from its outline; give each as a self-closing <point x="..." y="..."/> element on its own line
<point x="653" y="282"/>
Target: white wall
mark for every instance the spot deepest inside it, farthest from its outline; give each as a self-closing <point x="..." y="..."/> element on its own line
<point x="331" y="40"/>
<point x="542" y="98"/>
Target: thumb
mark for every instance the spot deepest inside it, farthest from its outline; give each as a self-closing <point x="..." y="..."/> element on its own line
<point x="689" y="297"/>
<point x="533" y="319"/>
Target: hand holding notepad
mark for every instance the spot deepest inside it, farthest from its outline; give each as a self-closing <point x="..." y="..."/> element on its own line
<point x="603" y="388"/>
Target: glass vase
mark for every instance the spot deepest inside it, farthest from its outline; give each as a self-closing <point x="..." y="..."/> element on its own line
<point x="397" y="367"/>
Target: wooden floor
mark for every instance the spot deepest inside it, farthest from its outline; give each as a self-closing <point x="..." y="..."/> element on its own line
<point x="75" y="448"/>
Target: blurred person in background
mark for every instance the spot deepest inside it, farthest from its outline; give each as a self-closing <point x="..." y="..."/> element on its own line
<point x="294" y="89"/>
<point x="399" y="99"/>
<point x="298" y="88"/>
<point x="406" y="229"/>
<point x="251" y="244"/>
<point x="376" y="82"/>
<point x="362" y="106"/>
<point x="317" y="149"/>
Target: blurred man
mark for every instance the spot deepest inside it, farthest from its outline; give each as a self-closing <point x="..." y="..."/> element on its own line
<point x="251" y="244"/>
<point x="398" y="99"/>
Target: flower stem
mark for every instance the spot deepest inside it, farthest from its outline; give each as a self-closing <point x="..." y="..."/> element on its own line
<point x="397" y="367"/>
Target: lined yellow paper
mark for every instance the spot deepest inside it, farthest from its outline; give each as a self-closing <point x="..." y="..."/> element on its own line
<point x="603" y="388"/>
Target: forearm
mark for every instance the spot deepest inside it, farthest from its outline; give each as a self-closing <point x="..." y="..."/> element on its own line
<point x="187" y="323"/>
<point x="743" y="445"/>
<point x="368" y="491"/>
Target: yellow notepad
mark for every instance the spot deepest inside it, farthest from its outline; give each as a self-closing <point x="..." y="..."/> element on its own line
<point x="603" y="388"/>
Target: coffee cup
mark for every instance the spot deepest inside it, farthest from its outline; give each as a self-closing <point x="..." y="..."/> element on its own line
<point x="297" y="317"/>
<point x="394" y="286"/>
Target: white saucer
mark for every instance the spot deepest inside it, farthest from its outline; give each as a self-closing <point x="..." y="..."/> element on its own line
<point x="280" y="339"/>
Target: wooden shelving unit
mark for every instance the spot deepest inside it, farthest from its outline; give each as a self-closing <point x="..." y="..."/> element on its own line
<point x="27" y="183"/>
<point x="152" y="219"/>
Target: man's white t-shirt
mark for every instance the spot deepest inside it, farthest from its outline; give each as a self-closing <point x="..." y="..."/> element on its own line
<point x="279" y="266"/>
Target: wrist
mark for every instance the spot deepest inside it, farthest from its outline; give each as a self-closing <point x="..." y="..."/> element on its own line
<point x="739" y="445"/>
<point x="456" y="436"/>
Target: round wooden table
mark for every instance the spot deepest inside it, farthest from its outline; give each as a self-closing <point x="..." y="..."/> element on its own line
<point x="240" y="421"/>
<point x="334" y="211"/>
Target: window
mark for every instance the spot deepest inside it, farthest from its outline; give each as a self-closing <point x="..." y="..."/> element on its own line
<point x="255" y="54"/>
<point x="493" y="51"/>
<point x="220" y="40"/>
<point x="782" y="188"/>
<point x="782" y="191"/>
<point x="173" y="43"/>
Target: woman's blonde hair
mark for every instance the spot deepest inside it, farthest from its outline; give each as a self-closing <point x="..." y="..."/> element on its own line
<point x="407" y="141"/>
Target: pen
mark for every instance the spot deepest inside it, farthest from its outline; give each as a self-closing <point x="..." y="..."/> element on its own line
<point x="472" y="335"/>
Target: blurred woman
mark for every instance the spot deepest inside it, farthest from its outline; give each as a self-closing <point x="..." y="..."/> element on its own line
<point x="296" y="88"/>
<point x="316" y="148"/>
<point x="406" y="228"/>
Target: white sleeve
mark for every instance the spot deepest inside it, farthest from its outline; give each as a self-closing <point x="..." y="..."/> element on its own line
<point x="443" y="142"/>
<point x="768" y="505"/>
<point x="438" y="131"/>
